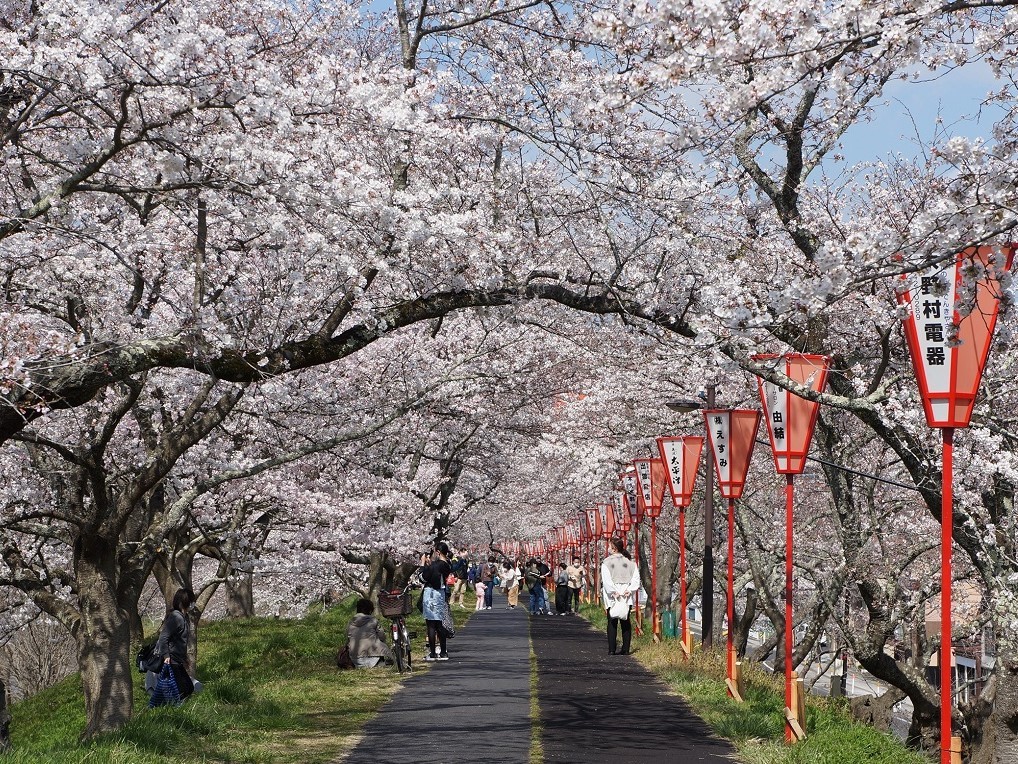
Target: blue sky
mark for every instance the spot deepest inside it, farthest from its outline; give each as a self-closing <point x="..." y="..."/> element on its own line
<point x="910" y="107"/>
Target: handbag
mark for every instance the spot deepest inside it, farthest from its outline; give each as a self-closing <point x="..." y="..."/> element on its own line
<point x="167" y="693"/>
<point x="447" y="623"/>
<point x="343" y="659"/>
<point x="619" y="609"/>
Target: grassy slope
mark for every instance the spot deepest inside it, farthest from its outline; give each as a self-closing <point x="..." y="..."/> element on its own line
<point x="756" y="727"/>
<point x="272" y="694"/>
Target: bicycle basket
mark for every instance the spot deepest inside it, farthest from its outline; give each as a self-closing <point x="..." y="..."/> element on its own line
<point x="395" y="603"/>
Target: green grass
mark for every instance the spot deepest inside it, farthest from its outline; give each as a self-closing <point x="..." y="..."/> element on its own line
<point x="272" y="694"/>
<point x="756" y="726"/>
<point x="536" y="728"/>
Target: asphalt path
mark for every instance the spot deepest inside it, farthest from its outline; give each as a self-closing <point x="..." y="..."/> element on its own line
<point x="595" y="708"/>
<point x="598" y="708"/>
<point x="473" y="707"/>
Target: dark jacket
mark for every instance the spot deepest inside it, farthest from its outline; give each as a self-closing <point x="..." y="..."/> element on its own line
<point x="173" y="638"/>
<point x="531" y="577"/>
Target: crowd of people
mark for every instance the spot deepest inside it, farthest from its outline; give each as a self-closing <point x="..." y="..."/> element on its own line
<point x="446" y="578"/>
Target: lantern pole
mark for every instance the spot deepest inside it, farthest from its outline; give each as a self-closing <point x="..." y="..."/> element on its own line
<point x="731" y="592"/>
<point x="789" y="504"/>
<point x="655" y="627"/>
<point x="947" y="529"/>
<point x="682" y="576"/>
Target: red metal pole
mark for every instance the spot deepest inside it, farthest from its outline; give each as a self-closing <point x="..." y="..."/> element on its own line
<point x="653" y="575"/>
<point x="789" y="499"/>
<point x="731" y="590"/>
<point x="947" y="528"/>
<point x="682" y="570"/>
<point x="636" y="558"/>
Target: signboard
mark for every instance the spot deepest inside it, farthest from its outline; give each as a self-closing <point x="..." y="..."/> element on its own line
<point x="732" y="435"/>
<point x="791" y="419"/>
<point x="949" y="325"/>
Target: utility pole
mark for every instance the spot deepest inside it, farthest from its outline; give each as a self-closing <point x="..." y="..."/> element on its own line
<point x="707" y="587"/>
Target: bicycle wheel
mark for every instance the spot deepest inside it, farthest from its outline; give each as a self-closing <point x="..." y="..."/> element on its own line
<point x="400" y="650"/>
<point x="408" y="647"/>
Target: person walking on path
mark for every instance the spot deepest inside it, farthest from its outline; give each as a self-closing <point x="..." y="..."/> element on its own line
<point x="544" y="571"/>
<point x="562" y="595"/>
<point x="365" y="639"/>
<point x="620" y="582"/>
<point x="577" y="578"/>
<point x="434" y="573"/>
<point x="532" y="580"/>
<point x="459" y="565"/>
<point x="488" y="573"/>
<point x="511" y="577"/>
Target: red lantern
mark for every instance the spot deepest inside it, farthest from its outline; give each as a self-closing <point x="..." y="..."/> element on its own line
<point x="681" y="458"/>
<point x="791" y="419"/>
<point x="622" y="512"/>
<point x="644" y="488"/>
<point x="591" y="527"/>
<point x="949" y="351"/>
<point x="790" y="422"/>
<point x="732" y="435"/>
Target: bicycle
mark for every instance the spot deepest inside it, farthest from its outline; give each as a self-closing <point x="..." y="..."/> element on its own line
<point x="395" y="606"/>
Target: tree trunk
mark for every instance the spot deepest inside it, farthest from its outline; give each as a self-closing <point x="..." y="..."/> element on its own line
<point x="5" y="720"/>
<point x="104" y="639"/>
<point x="379" y="575"/>
<point x="875" y="710"/>
<point x="744" y="623"/>
<point x="999" y="743"/>
<point x="924" y="730"/>
<point x="240" y="596"/>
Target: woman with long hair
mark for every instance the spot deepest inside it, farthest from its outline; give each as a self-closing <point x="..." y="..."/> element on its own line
<point x="620" y="582"/>
<point x="435" y="572"/>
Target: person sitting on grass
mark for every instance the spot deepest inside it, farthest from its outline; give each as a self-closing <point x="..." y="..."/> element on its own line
<point x="366" y="640"/>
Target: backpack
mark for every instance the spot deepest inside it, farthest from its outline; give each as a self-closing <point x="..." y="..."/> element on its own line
<point x="147" y="659"/>
<point x="343" y="659"/>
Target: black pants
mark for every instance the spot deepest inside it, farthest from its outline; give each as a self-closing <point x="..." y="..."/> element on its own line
<point x="436" y="632"/>
<point x="576" y="599"/>
<point x="613" y="634"/>
<point x="562" y="599"/>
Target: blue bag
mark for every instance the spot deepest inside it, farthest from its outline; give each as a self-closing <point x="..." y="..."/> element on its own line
<point x="167" y="692"/>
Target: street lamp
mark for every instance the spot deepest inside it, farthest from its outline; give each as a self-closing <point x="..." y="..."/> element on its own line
<point x="684" y="406"/>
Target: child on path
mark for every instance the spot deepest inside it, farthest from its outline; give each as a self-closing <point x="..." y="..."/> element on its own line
<point x="480" y="588"/>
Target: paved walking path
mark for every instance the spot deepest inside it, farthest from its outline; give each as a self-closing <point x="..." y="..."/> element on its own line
<point x="607" y="709"/>
<point x="475" y="707"/>
<point x="595" y="708"/>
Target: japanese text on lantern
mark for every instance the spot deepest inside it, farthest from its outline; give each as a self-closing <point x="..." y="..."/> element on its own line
<point x="931" y="305"/>
<point x="719" y="441"/>
<point x="643" y="471"/>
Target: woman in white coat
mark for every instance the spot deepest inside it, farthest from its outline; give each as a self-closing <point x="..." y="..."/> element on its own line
<point x="620" y="581"/>
<point x="511" y="577"/>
